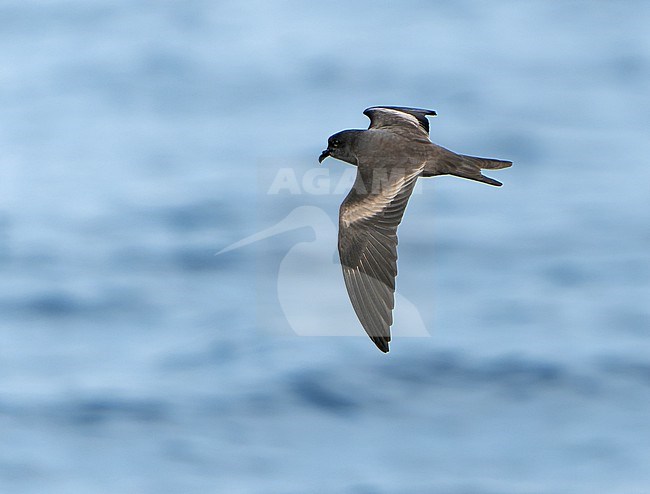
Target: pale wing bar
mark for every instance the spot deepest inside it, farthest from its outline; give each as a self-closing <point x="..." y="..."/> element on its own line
<point x="386" y="116"/>
<point x="368" y="250"/>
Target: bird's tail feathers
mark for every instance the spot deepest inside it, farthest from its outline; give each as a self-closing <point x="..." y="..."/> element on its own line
<point x="487" y="163"/>
<point x="470" y="167"/>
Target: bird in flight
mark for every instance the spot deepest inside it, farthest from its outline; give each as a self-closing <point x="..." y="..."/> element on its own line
<point x="390" y="156"/>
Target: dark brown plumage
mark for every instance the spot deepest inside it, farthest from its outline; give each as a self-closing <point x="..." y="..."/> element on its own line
<point x="390" y="156"/>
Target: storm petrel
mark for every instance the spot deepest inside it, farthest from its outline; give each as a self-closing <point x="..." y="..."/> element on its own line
<point x="389" y="156"/>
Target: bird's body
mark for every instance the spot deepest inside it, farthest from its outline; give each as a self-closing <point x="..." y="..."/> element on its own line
<point x="390" y="156"/>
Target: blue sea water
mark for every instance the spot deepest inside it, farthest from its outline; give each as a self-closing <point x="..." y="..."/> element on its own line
<point x="138" y="139"/>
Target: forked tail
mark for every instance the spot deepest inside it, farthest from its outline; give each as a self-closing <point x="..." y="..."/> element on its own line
<point x="470" y="167"/>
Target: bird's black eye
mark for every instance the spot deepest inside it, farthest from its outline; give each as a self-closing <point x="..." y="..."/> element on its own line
<point x="336" y="143"/>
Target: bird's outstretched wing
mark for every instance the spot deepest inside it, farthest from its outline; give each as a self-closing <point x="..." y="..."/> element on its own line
<point x="390" y="116"/>
<point x="368" y="221"/>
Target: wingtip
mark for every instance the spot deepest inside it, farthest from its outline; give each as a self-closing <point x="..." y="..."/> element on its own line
<point x="381" y="342"/>
<point x="424" y="111"/>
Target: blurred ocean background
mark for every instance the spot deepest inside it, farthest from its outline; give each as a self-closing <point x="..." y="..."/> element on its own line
<point x="138" y="139"/>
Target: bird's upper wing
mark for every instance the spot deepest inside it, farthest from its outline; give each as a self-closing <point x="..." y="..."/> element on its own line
<point x="368" y="222"/>
<point x="391" y="116"/>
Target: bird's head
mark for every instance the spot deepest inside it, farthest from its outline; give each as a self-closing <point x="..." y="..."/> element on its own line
<point x="340" y="146"/>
